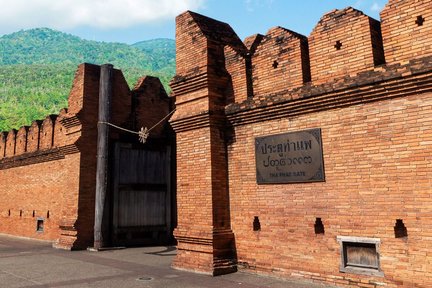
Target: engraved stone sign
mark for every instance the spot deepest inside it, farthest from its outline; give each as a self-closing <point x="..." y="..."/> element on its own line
<point x="290" y="157"/>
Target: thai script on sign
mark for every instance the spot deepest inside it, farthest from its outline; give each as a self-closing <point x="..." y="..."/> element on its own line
<point x="290" y="157"/>
<point x="286" y="147"/>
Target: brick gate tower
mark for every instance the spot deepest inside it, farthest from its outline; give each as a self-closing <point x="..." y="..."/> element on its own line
<point x="201" y="87"/>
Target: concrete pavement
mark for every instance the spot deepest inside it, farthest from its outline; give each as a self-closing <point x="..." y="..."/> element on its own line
<point x="28" y="263"/>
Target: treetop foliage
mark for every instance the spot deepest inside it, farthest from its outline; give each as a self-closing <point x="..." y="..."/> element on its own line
<point x="37" y="67"/>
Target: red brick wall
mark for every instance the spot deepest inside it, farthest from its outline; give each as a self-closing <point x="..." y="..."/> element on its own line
<point x="239" y="68"/>
<point x="46" y="136"/>
<point x="60" y="138"/>
<point x="202" y="200"/>
<point x="151" y="105"/>
<point x="377" y="165"/>
<point x="184" y="42"/>
<point x="49" y="169"/>
<point x="341" y="28"/>
<point x="33" y="136"/>
<point x="406" y="29"/>
<point x="39" y="178"/>
<point x="37" y="191"/>
<point x="280" y="62"/>
<point x="10" y="143"/>
<point x="376" y="126"/>
<point x="3" y="137"/>
<point x="21" y="140"/>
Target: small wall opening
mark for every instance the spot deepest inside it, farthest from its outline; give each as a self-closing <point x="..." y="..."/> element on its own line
<point x="21" y="213"/>
<point x="39" y="225"/>
<point x="420" y="20"/>
<point x="319" y="226"/>
<point x="400" y="229"/>
<point x="33" y="213"/>
<point x="9" y="213"/>
<point x="48" y="214"/>
<point x="338" y="45"/>
<point x="256" y="224"/>
<point x="275" y="64"/>
<point x="360" y="255"/>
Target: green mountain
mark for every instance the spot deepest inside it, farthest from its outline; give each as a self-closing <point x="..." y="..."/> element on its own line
<point x="37" y="67"/>
<point x="158" y="50"/>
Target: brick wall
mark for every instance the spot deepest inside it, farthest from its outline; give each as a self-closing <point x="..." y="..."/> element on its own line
<point x="10" y="143"/>
<point x="376" y="125"/>
<point x="47" y="170"/>
<point x="406" y="30"/>
<point x="203" y="208"/>
<point x="280" y="61"/>
<point x="151" y="104"/>
<point x="377" y="165"/>
<point x="337" y="50"/>
<point x="28" y="197"/>
<point x="3" y="137"/>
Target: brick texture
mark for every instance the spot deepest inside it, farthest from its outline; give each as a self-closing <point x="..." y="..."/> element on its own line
<point x="202" y="196"/>
<point x="3" y="138"/>
<point x="374" y="113"/>
<point x="406" y="30"/>
<point x="47" y="170"/>
<point x="337" y="50"/>
<point x="376" y="125"/>
<point x="280" y="61"/>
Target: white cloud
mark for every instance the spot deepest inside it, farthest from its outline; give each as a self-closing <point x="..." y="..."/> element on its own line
<point x="249" y="6"/>
<point x="376" y="7"/>
<point x="358" y="4"/>
<point x="66" y="14"/>
<point x="252" y="5"/>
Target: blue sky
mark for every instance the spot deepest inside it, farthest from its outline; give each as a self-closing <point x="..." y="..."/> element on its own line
<point x="130" y="21"/>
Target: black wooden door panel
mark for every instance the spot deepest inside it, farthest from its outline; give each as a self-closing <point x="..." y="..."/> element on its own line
<point x="141" y="195"/>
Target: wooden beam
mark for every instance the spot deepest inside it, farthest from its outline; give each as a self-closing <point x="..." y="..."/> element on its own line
<point x="105" y="95"/>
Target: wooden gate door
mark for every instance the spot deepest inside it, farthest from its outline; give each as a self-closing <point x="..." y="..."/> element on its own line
<point x="141" y="196"/>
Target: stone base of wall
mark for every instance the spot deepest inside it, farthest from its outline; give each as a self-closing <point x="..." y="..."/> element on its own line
<point x="212" y="254"/>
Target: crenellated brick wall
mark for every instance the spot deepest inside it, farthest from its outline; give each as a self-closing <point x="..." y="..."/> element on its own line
<point x="338" y="50"/>
<point x="406" y="30"/>
<point x="48" y="170"/>
<point x="367" y="86"/>
<point x="369" y="92"/>
<point x="280" y="61"/>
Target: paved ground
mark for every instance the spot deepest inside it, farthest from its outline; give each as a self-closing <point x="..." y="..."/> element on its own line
<point x="27" y="263"/>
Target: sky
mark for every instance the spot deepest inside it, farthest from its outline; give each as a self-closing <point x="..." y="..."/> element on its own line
<point x="131" y="21"/>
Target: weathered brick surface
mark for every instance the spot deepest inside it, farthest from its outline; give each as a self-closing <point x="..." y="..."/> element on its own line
<point x="337" y="49"/>
<point x="47" y="132"/>
<point x="280" y="61"/>
<point x="376" y="125"/>
<point x="10" y="143"/>
<point x="377" y="163"/>
<point x="37" y="192"/>
<point x="151" y="104"/>
<point x="406" y="29"/>
<point x="3" y="138"/>
<point x="202" y="196"/>
<point x="21" y="140"/>
<point x="239" y="68"/>
<point x="60" y="138"/>
<point x="47" y="170"/>
<point x="33" y="136"/>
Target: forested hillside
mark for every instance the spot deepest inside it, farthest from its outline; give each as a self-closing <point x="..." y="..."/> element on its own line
<point x="37" y="68"/>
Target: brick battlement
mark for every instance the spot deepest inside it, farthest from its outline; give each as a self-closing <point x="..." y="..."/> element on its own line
<point x="344" y="43"/>
<point x="42" y="135"/>
<point x="378" y="84"/>
<point x="361" y="89"/>
<point x="48" y="169"/>
<point x="66" y="128"/>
